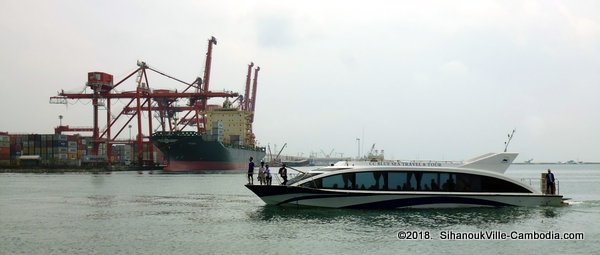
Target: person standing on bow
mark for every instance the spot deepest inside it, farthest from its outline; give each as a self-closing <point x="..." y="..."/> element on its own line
<point x="283" y="173"/>
<point x="261" y="173"/>
<point x="268" y="175"/>
<point x="251" y="172"/>
<point x="550" y="186"/>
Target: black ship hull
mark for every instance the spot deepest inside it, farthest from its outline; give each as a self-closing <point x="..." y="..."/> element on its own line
<point x="189" y="152"/>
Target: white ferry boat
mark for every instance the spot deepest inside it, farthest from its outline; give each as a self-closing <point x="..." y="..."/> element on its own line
<point x="479" y="182"/>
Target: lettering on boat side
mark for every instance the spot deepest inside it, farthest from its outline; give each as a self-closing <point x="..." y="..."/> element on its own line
<point x="400" y="163"/>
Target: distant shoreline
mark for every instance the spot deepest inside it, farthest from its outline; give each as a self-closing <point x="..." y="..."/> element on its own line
<point x="42" y="170"/>
<point x="53" y="170"/>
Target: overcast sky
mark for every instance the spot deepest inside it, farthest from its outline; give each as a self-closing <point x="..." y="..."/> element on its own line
<point x="420" y="79"/>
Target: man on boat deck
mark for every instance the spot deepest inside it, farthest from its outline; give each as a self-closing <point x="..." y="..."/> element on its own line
<point x="261" y="173"/>
<point x="283" y="173"/>
<point x="251" y="172"/>
<point x="550" y="188"/>
<point x="268" y="175"/>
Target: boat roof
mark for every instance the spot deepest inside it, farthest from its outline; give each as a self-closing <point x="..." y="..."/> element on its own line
<point x="351" y="169"/>
<point x="492" y="162"/>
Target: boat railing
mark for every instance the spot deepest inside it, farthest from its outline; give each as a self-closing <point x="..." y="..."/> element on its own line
<point x="290" y="176"/>
<point x="541" y="184"/>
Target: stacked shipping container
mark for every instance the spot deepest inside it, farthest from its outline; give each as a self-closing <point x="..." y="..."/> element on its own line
<point x="52" y="149"/>
<point x="4" y="149"/>
<point x="156" y="155"/>
<point x="65" y="150"/>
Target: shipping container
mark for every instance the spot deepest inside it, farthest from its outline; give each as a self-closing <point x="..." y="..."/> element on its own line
<point x="14" y="148"/>
<point x="72" y="138"/>
<point x="4" y="156"/>
<point x="93" y="158"/>
<point x="72" y="144"/>
<point x="60" y="143"/>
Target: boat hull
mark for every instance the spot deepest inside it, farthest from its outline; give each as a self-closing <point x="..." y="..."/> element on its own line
<point x="300" y="196"/>
<point x="186" y="154"/>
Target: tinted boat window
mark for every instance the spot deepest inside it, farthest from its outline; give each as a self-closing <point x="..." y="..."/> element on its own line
<point x="333" y="182"/>
<point x="381" y="180"/>
<point x="396" y="180"/>
<point x="467" y="183"/>
<point x="447" y="181"/>
<point x="338" y="181"/>
<point x="301" y="177"/>
<point x="405" y="181"/>
<point x="365" y="180"/>
<point x="349" y="181"/>
<point x="416" y="181"/>
<point x="317" y="184"/>
<point x="489" y="184"/>
<point x="431" y="182"/>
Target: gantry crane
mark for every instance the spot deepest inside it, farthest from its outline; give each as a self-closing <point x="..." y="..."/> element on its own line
<point x="162" y="102"/>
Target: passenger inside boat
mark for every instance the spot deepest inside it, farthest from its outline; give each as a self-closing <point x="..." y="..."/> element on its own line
<point x="434" y="185"/>
<point x="448" y="185"/>
<point x="407" y="181"/>
<point x="349" y="180"/>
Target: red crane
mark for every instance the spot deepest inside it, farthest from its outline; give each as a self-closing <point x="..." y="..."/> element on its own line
<point x="247" y="91"/>
<point x="145" y="101"/>
<point x="60" y="129"/>
<point x="253" y="99"/>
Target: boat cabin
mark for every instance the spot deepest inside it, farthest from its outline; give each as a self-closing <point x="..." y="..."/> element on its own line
<point x="410" y="180"/>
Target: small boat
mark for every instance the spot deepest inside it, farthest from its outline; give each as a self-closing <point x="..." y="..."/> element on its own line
<point x="479" y="182"/>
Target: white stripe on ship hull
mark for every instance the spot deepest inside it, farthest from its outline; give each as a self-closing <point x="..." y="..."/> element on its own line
<point x="332" y="201"/>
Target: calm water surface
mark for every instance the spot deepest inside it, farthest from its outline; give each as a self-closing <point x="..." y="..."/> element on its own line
<point x="128" y="213"/>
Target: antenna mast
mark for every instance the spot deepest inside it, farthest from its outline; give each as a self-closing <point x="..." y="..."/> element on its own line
<point x="510" y="136"/>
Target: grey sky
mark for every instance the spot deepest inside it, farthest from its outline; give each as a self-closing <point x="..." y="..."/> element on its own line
<point x="421" y="79"/>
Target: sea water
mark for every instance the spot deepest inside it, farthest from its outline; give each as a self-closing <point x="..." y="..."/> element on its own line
<point x="131" y="213"/>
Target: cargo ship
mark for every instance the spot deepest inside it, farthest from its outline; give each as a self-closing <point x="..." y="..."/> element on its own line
<point x="226" y="145"/>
